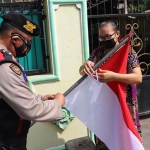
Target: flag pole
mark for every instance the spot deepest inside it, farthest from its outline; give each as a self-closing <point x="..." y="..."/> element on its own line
<point x="97" y="65"/>
<point x="100" y="63"/>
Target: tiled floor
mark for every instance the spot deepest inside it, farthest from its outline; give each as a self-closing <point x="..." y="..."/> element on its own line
<point x="145" y="124"/>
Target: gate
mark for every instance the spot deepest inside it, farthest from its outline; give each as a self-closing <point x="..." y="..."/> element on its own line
<point x="132" y="15"/>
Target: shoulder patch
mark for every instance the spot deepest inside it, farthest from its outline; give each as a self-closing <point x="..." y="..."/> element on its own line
<point x="15" y="69"/>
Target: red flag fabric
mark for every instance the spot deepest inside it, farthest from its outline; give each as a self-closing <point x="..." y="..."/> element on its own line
<point x="118" y="63"/>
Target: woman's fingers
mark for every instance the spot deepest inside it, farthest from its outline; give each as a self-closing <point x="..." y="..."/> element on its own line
<point x="88" y="68"/>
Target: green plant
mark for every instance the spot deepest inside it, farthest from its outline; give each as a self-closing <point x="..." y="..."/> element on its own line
<point x="137" y="6"/>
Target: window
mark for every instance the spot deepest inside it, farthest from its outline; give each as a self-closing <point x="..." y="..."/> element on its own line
<point x="36" y="60"/>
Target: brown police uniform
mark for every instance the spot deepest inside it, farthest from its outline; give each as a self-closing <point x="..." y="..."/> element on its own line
<point x="18" y="104"/>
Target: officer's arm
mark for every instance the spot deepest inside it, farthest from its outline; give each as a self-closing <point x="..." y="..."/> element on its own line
<point x="26" y="104"/>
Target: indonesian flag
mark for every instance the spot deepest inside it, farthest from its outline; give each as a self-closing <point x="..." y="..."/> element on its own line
<point x="102" y="107"/>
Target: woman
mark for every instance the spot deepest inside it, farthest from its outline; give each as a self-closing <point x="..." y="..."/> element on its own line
<point x="108" y="36"/>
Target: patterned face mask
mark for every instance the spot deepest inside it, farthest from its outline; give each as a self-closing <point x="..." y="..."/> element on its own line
<point x="24" y="49"/>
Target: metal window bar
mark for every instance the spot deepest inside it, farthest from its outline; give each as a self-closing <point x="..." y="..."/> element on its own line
<point x="138" y="12"/>
<point x="30" y="8"/>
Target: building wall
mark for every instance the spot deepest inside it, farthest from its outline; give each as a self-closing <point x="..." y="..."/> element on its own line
<point x="70" y="56"/>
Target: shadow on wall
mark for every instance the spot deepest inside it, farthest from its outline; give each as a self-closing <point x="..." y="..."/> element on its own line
<point x="44" y="137"/>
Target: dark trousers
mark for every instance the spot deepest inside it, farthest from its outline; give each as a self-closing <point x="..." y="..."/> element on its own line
<point x="13" y="144"/>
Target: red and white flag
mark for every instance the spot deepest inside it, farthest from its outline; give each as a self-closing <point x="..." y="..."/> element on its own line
<point x="102" y="107"/>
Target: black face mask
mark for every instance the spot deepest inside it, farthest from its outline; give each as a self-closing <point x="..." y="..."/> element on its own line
<point x="22" y="50"/>
<point x="108" y="43"/>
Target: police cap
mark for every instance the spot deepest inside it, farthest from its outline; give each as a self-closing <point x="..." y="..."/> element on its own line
<point x="21" y="22"/>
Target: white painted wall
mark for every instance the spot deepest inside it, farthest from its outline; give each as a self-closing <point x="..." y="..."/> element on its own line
<point x="70" y="56"/>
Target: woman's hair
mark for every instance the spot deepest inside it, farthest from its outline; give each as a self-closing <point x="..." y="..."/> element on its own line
<point x="112" y="22"/>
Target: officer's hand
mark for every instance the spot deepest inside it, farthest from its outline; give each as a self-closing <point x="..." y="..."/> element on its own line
<point x="60" y="97"/>
<point x="87" y="68"/>
<point x="48" y="97"/>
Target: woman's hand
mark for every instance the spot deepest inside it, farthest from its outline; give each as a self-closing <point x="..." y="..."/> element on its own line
<point x="105" y="76"/>
<point x="87" y="68"/>
<point x="135" y="77"/>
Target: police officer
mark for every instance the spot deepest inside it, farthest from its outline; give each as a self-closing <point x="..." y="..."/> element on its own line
<point x="18" y="104"/>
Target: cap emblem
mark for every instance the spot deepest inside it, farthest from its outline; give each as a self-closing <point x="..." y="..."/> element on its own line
<point x="29" y="26"/>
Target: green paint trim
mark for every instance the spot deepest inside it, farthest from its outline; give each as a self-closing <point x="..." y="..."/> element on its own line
<point x="83" y="21"/>
<point x="51" y="26"/>
<point x="66" y="1"/>
<point x="58" y="148"/>
<point x="85" y="31"/>
<point x="91" y="135"/>
<point x="53" y="39"/>
<point x="30" y="86"/>
<point x="52" y="30"/>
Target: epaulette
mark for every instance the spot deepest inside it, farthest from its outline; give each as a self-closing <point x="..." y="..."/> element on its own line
<point x="7" y="58"/>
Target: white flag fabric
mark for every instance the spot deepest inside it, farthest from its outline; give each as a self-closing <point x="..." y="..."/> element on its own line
<point x="97" y="106"/>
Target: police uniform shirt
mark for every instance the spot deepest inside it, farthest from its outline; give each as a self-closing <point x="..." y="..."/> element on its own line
<point x="24" y="102"/>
